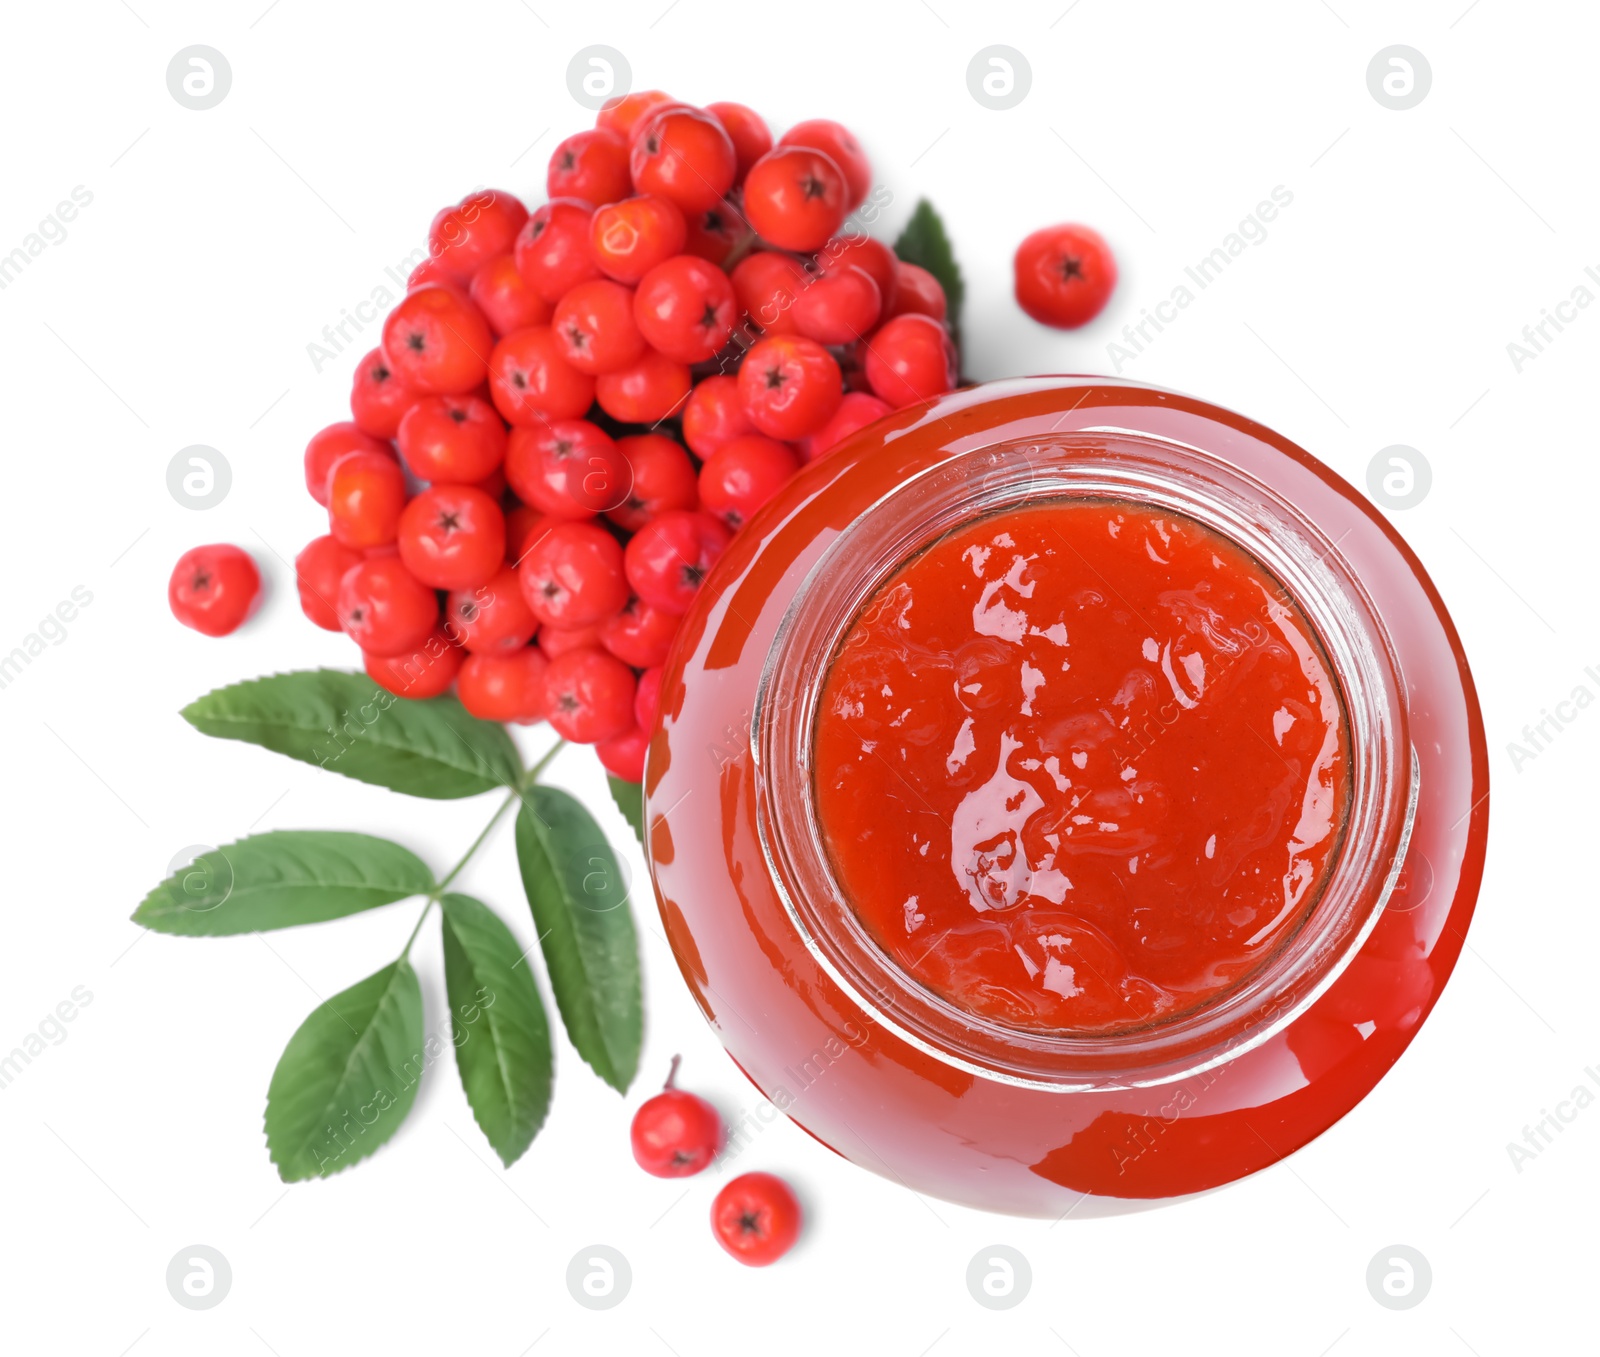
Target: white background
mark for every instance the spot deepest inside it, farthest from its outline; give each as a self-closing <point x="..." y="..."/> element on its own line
<point x="178" y="310"/>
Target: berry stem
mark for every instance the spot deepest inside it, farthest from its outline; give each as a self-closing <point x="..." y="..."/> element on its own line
<point x="740" y="250"/>
<point x="672" y="1073"/>
<point x="528" y="779"/>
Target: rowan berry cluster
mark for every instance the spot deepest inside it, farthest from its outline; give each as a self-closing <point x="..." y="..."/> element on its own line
<point x="574" y="408"/>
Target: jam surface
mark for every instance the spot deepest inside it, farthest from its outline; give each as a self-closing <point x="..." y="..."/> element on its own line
<point x="1080" y="766"/>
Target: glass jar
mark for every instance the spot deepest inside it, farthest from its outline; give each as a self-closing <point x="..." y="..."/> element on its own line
<point x="908" y="1083"/>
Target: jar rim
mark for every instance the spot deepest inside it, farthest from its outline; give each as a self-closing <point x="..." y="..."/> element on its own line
<point x="1087" y="464"/>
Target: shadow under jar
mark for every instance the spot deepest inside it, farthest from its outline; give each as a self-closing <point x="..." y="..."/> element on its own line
<point x="949" y="695"/>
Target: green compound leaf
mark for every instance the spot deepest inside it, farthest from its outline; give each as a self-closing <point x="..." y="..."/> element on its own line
<point x="926" y="243"/>
<point x="281" y="879"/>
<point x="580" y="907"/>
<point x="347" y="724"/>
<point x="348" y="1076"/>
<point x="629" y="797"/>
<point x="502" y="1037"/>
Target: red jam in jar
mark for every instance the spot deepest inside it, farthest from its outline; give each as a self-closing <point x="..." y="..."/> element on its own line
<point x="1066" y="794"/>
<point x="1080" y="766"/>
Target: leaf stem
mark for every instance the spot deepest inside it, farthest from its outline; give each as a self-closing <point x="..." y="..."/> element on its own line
<point x="527" y="781"/>
<point x="406" y="950"/>
<point x="532" y="775"/>
<point x="476" y="844"/>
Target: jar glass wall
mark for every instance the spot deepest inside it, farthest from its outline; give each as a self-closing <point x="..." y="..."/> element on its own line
<point x="897" y="1077"/>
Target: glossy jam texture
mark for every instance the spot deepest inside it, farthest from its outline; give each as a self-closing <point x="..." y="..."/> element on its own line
<point x="1080" y="766"/>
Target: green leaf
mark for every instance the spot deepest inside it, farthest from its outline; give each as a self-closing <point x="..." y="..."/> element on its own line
<point x="502" y="1038"/>
<point x="580" y="907"/>
<point x="348" y="1076"/>
<point x="347" y="724"/>
<point x="926" y="243"/>
<point x="280" y="879"/>
<point x="629" y="797"/>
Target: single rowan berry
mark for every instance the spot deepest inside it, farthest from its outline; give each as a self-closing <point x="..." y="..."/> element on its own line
<point x="629" y="238"/>
<point x="552" y="250"/>
<point x="756" y="1218"/>
<point x="508" y="301"/>
<point x="378" y="396"/>
<point x="640" y="634"/>
<point x="588" y="696"/>
<point x="623" y="755"/>
<point x="438" y="341"/>
<point x="647" y="699"/>
<point x="427" y="671"/>
<point x="645" y="393"/>
<point x="661" y="477"/>
<point x="767" y="285"/>
<point x="667" y="559"/>
<point x="318" y="568"/>
<point x="532" y="382"/>
<point x="467" y="236"/>
<point x="508" y="687"/>
<point x="595" y="324"/>
<point x="713" y="414"/>
<point x="676" y="1133"/>
<point x="573" y="575"/>
<point x="366" y="495"/>
<point x="742" y="475"/>
<point x="684" y="155"/>
<point x="910" y="359"/>
<point x="622" y="114"/>
<point x="790" y="385"/>
<point x="457" y="440"/>
<point x="492" y="618"/>
<point x="748" y="132"/>
<point x="568" y="469"/>
<point x="1064" y="275"/>
<point x="917" y="292"/>
<point x="685" y="308"/>
<point x="857" y="410"/>
<point x="214" y="588"/>
<point x="453" y="537"/>
<point x="796" y="197"/>
<point x="384" y="609"/>
<point x="332" y="445"/>
<point x="838" y="307"/>
<point x="591" y="166"/>
<point x="839" y="144"/>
